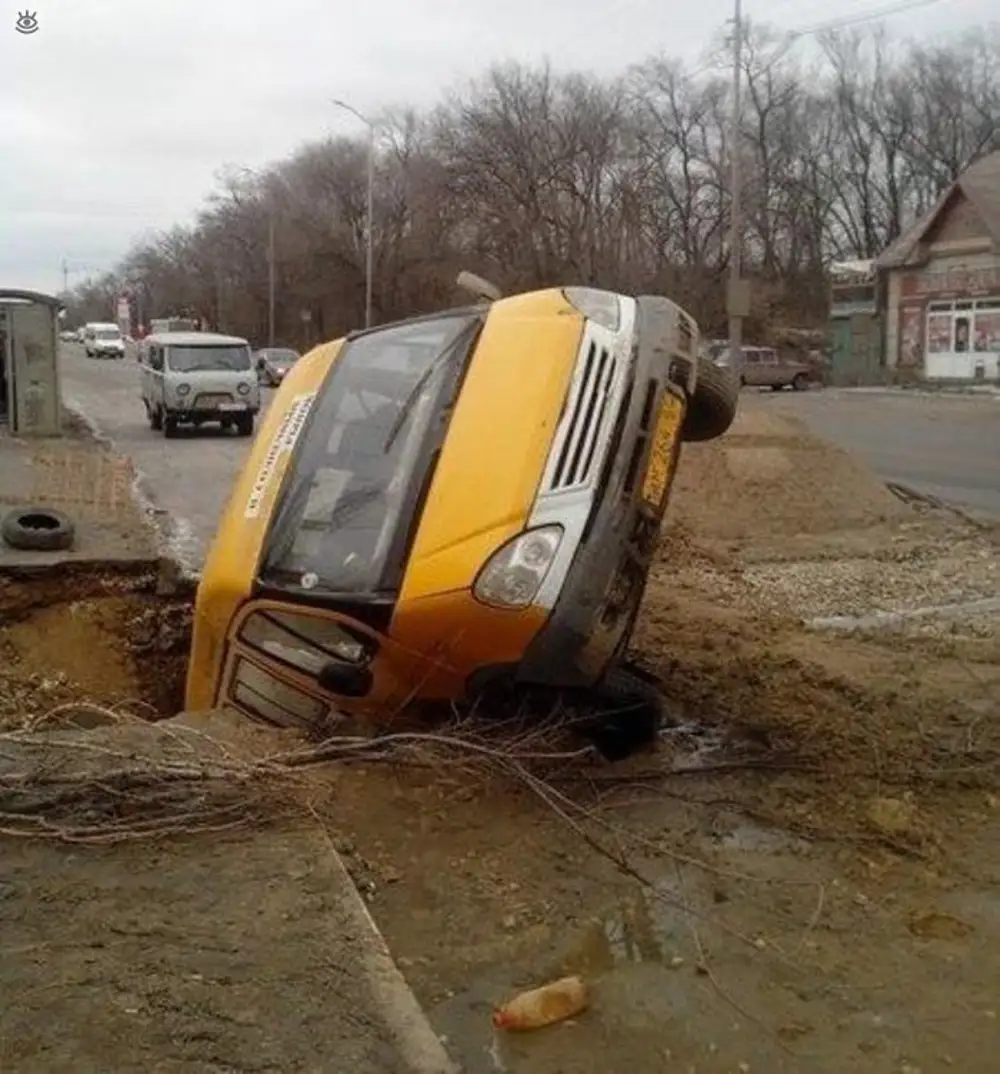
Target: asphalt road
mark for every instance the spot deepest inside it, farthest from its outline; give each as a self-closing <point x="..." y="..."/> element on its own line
<point x="944" y="445"/>
<point x="947" y="446"/>
<point x="187" y="478"/>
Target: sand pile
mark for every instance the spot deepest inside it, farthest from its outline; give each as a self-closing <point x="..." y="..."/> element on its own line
<point x="770" y="477"/>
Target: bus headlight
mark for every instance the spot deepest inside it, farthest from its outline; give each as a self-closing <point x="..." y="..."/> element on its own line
<point x="514" y="573"/>
<point x="183" y="389"/>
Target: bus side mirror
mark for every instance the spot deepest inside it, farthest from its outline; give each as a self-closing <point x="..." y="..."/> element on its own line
<point x="347" y="680"/>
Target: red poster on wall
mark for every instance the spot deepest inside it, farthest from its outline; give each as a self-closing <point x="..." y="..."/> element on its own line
<point x="911" y="337"/>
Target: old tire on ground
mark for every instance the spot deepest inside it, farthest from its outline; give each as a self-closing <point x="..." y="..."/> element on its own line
<point x="631" y="713"/>
<point x="38" y="529"/>
<point x="713" y="407"/>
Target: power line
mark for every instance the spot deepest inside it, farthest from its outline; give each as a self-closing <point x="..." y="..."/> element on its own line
<point x="816" y="11"/>
<point x="840" y="22"/>
<point x="862" y="17"/>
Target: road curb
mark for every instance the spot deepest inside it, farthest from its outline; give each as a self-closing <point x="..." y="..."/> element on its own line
<point x="920" y="392"/>
<point x="172" y="537"/>
<point x="417" y="1044"/>
<point x="350" y="925"/>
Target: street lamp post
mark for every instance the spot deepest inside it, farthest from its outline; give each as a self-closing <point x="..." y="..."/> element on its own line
<point x="271" y="282"/>
<point x="369" y="247"/>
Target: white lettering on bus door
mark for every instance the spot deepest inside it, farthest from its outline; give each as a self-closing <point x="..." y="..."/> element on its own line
<point x="283" y="443"/>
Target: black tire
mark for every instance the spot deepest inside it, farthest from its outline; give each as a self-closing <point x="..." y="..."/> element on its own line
<point x="713" y="407"/>
<point x="156" y="419"/>
<point x="632" y="713"/>
<point x="244" y="425"/>
<point x="800" y="382"/>
<point x="38" y="529"/>
<point x="169" y="426"/>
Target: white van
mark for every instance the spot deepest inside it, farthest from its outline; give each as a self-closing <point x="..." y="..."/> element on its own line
<point x="103" y="340"/>
<point x="197" y="377"/>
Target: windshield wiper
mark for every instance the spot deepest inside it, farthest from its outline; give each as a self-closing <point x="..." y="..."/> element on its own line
<point x="447" y="352"/>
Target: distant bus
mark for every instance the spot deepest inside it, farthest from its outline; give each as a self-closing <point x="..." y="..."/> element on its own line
<point x="172" y="324"/>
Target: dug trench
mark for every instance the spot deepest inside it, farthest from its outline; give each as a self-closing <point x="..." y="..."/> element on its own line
<point x="794" y="880"/>
<point x="104" y="635"/>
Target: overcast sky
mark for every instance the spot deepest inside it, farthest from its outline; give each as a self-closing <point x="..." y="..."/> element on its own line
<point x="116" y="115"/>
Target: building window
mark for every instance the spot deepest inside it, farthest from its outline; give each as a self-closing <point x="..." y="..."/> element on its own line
<point x="986" y="336"/>
<point x="958" y="327"/>
<point x="939" y="333"/>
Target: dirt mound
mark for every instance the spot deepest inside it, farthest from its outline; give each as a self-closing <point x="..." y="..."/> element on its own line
<point x="772" y="527"/>
<point x="769" y="477"/>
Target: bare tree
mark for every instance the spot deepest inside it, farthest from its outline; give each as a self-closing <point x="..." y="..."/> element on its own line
<point x="535" y="178"/>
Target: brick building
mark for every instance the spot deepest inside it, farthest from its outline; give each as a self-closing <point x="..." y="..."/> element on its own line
<point x="942" y="284"/>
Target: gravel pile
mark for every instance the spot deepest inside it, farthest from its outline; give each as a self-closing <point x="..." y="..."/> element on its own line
<point x="861" y="586"/>
<point x="857" y="586"/>
<point x="809" y="532"/>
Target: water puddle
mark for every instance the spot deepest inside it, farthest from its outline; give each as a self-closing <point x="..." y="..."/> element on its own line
<point x="646" y="928"/>
<point x="693" y="744"/>
<point x="649" y="1008"/>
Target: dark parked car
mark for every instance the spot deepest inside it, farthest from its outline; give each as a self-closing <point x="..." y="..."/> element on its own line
<point x="272" y="363"/>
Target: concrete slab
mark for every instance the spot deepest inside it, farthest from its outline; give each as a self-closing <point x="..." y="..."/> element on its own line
<point x="85" y="480"/>
<point x="242" y="948"/>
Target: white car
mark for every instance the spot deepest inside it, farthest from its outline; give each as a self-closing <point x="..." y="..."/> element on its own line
<point x="104" y="341"/>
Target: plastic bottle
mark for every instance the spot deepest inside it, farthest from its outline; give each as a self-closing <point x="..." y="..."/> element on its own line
<point x="543" y="1006"/>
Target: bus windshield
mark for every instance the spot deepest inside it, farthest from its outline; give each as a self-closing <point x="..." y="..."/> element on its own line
<point x="344" y="518"/>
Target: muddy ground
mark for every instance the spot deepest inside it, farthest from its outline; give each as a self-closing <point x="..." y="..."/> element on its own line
<point x="804" y="876"/>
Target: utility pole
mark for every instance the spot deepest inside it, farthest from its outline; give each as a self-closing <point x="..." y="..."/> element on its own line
<point x="737" y="300"/>
<point x="65" y="275"/>
<point x="370" y="214"/>
<point x="270" y="277"/>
